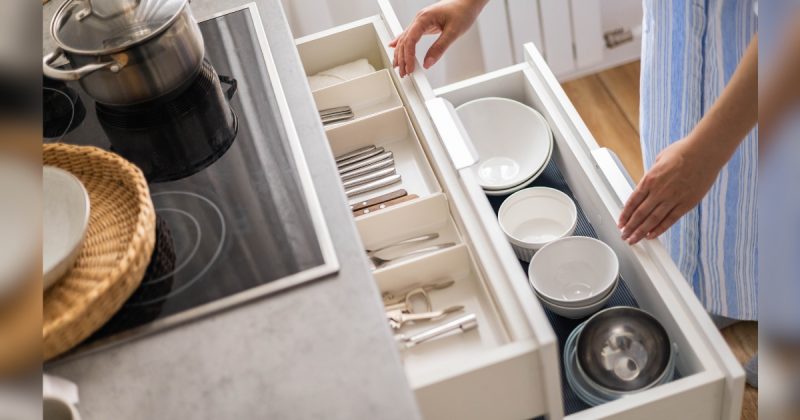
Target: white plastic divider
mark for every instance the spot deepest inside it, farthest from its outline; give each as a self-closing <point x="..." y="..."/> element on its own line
<point x="366" y="95"/>
<point x="424" y="216"/>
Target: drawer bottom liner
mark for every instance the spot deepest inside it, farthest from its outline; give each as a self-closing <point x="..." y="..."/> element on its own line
<point x="552" y="177"/>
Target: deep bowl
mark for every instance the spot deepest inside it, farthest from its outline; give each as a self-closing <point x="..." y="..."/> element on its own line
<point x="574" y="271"/>
<point x="513" y="141"/>
<point x="533" y="217"/>
<point x="576" y="312"/>
<point x="624" y="349"/>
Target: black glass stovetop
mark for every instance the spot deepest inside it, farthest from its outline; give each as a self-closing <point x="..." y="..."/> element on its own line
<point x="237" y="219"/>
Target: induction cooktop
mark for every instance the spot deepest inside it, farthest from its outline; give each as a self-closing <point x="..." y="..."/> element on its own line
<point x="237" y="214"/>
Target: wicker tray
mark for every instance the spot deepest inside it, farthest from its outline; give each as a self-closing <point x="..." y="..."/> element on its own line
<point x="115" y="254"/>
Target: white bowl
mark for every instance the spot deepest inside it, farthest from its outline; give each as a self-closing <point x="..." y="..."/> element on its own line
<point x="533" y="217"/>
<point x="513" y="141"/>
<point x="577" y="312"/>
<point x="577" y="270"/>
<point x="524" y="184"/>
<point x="65" y="219"/>
<point x="597" y="298"/>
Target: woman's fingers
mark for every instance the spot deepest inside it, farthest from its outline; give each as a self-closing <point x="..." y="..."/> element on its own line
<point x="654" y="219"/>
<point x="436" y="51"/>
<point x="639" y="215"/>
<point x="636" y="198"/>
<point x="665" y="224"/>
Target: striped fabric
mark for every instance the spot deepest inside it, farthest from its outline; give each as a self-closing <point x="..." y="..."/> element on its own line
<point x="690" y="50"/>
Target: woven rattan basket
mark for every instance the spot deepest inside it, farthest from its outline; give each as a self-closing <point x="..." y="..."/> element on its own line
<point x="115" y="254"/>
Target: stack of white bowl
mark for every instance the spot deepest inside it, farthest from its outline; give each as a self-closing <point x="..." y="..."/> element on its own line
<point x="536" y="216"/>
<point x="574" y="276"/>
<point x="513" y="141"/>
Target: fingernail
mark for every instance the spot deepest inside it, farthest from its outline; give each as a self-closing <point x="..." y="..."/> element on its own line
<point x="429" y="61"/>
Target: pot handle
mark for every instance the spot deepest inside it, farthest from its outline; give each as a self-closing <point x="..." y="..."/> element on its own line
<point x="73" y="74"/>
<point x="232" y="85"/>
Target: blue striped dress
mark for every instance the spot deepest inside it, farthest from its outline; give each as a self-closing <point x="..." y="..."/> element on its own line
<point x="690" y="50"/>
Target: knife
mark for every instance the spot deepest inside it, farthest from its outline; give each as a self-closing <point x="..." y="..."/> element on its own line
<point x="359" y="157"/>
<point x="353" y="153"/>
<point x="335" y="110"/>
<point x="358" y="205"/>
<point x="368" y="169"/>
<point x="384" y="205"/>
<point x="384" y="155"/>
<point x="374" y="185"/>
<point x="374" y="176"/>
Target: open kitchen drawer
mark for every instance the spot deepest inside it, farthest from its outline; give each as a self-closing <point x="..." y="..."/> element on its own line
<point x="511" y="368"/>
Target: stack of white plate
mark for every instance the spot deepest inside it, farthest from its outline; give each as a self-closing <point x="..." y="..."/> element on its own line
<point x="574" y="276"/>
<point x="513" y="141"/>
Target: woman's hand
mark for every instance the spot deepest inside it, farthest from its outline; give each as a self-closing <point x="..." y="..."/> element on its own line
<point x="451" y="18"/>
<point x="680" y="178"/>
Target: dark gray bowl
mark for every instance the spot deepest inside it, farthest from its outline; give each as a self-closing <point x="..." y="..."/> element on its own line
<point x="623" y="349"/>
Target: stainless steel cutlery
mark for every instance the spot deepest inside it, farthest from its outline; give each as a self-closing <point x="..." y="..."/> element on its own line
<point x="338" y="114"/>
<point x="372" y="186"/>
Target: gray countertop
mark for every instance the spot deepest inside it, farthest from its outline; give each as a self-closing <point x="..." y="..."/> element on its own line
<point x="318" y="351"/>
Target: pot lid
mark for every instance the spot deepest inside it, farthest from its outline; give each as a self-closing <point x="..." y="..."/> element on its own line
<point x="107" y="26"/>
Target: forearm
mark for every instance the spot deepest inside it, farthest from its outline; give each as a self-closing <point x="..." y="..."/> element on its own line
<point x="733" y="115"/>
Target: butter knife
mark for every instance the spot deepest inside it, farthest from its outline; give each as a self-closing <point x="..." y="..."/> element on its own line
<point x="364" y="179"/>
<point x="366" y="162"/>
<point x="353" y="153"/>
<point x="387" y="163"/>
<point x="374" y="185"/>
<point x="358" y="205"/>
<point x="358" y="158"/>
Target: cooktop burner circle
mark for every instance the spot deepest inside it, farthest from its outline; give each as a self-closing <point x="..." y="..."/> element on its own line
<point x="198" y="229"/>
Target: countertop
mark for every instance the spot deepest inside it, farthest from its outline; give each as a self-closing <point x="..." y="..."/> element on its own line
<point x="321" y="350"/>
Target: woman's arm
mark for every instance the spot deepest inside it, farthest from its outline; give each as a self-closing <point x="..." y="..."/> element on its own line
<point x="685" y="171"/>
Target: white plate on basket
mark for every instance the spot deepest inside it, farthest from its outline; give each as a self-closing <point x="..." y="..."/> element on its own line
<point x="65" y="219"/>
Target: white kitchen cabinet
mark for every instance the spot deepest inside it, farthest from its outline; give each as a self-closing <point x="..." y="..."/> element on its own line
<point x="510" y="366"/>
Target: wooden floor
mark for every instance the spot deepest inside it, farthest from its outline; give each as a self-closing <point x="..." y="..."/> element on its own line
<point x="609" y="104"/>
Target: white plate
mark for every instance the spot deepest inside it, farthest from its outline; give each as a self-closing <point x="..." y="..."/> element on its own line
<point x="512" y="139"/>
<point x="497" y="193"/>
<point x="65" y="219"/>
<point x="19" y="222"/>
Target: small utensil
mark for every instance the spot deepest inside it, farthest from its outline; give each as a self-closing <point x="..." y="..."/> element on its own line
<point x="354" y="153"/>
<point x="374" y="185"/>
<point x="386" y="163"/>
<point x="405" y="242"/>
<point x="360" y="163"/>
<point x="336" y="118"/>
<point x="358" y="205"/>
<point x="359" y="157"/>
<point x="462" y="324"/>
<point x="382" y="206"/>
<point x="364" y="179"/>
<point x="379" y="262"/>
<point x="397" y="296"/>
<point x="335" y="110"/>
<point x="399" y="318"/>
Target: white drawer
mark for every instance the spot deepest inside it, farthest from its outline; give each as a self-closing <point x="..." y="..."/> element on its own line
<point x="510" y="367"/>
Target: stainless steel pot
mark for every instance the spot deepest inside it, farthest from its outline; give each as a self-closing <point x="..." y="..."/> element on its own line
<point x="125" y="52"/>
